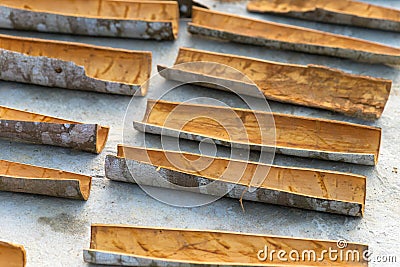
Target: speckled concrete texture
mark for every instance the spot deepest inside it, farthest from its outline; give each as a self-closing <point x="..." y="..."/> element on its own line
<point x="55" y="231"/>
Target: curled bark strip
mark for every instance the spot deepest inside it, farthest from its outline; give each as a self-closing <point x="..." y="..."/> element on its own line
<point x="74" y="66"/>
<point x="294" y="135"/>
<point x="22" y="126"/>
<point x="157" y="20"/>
<point x="280" y="36"/>
<point x="125" y="245"/>
<point x="311" y="85"/>
<point x="344" y="12"/>
<point x="12" y="255"/>
<point x="23" y="178"/>
<point x="311" y="189"/>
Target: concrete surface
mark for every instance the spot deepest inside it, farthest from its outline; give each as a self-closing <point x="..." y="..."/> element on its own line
<point x="54" y="231"/>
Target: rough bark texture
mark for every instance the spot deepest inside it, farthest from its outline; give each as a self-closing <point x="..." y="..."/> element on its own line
<point x="356" y="55"/>
<point x="308" y="85"/>
<point x="76" y="136"/>
<point x="323" y="14"/>
<point x="357" y="158"/>
<point x="40" y="186"/>
<point x="45" y="71"/>
<point x="13" y="18"/>
<point x="145" y="246"/>
<point x="120" y="169"/>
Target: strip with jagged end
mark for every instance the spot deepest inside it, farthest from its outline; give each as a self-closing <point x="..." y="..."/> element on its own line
<point x="273" y="35"/>
<point x="318" y="190"/>
<point x="22" y="126"/>
<point x="22" y="178"/>
<point x="125" y="245"/>
<point x="343" y="12"/>
<point x="311" y="85"/>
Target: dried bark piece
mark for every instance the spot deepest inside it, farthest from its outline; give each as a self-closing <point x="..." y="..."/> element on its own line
<point x="12" y="255"/>
<point x="23" y="178"/>
<point x="281" y="36"/>
<point x="294" y="135"/>
<point x="22" y="126"/>
<point x="125" y="245"/>
<point x="185" y="6"/>
<point x="311" y="85"/>
<point x="157" y="20"/>
<point x="74" y="66"/>
<point x="311" y="189"/>
<point x="345" y="12"/>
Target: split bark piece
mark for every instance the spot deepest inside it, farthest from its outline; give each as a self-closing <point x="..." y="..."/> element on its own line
<point x="185" y="6"/>
<point x="23" y="178"/>
<point x="148" y="246"/>
<point x="281" y="36"/>
<point x="311" y="189"/>
<point x="311" y="85"/>
<point x="22" y="126"/>
<point x="157" y="20"/>
<point x="345" y="12"/>
<point x="74" y="66"/>
<point x="12" y="255"/>
<point x="295" y="135"/>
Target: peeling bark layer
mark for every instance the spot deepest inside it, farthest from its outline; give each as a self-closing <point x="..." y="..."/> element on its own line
<point x="310" y="85"/>
<point x="12" y="255"/>
<point x="289" y="135"/>
<point x="142" y="20"/>
<point x="74" y="66"/>
<point x="318" y="190"/>
<point x="146" y="246"/>
<point x="22" y="126"/>
<point x="280" y="36"/>
<point x="22" y="178"/>
<point x="344" y="12"/>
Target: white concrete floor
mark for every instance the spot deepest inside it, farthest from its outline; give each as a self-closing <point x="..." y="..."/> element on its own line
<point x="54" y="231"/>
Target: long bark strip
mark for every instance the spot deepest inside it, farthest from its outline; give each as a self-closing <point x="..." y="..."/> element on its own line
<point x="325" y="191"/>
<point x="23" y="178"/>
<point x="74" y="66"/>
<point x="157" y="20"/>
<point x="21" y="126"/>
<point x="344" y="12"/>
<point x="125" y="245"/>
<point x="243" y="128"/>
<point x="12" y="255"/>
<point x="281" y="36"/>
<point x="311" y="85"/>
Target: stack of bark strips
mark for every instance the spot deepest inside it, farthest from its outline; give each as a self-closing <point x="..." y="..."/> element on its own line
<point x="311" y="189"/>
<point x="74" y="66"/>
<point x="344" y="12"/>
<point x="311" y="85"/>
<point x="281" y="36"/>
<point x="157" y="20"/>
<point x="12" y="255"/>
<point x="144" y="246"/>
<point x="27" y="127"/>
<point x="293" y="135"/>
<point x="22" y="178"/>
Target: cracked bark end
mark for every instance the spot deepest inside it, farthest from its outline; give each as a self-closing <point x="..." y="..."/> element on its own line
<point x="311" y="85"/>
<point x="157" y="20"/>
<point x="125" y="245"/>
<point x="23" y="178"/>
<point x="286" y="37"/>
<point x="74" y="66"/>
<point x="332" y="192"/>
<point x="287" y="134"/>
<point x="12" y="255"/>
<point x="344" y="12"/>
<point x="21" y="126"/>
